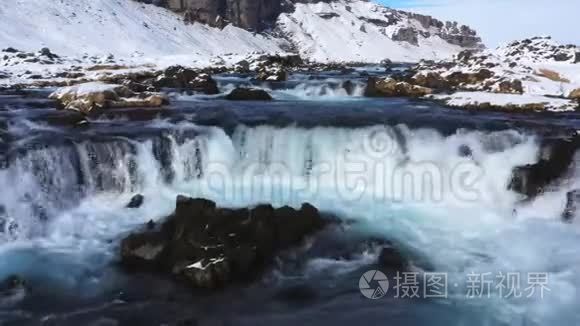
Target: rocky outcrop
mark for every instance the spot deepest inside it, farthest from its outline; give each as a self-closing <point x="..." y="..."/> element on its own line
<point x="407" y="34"/>
<point x="182" y="78"/>
<point x="556" y="156"/>
<point x="209" y="247"/>
<point x="250" y="14"/>
<point x="575" y="94"/>
<point x="248" y="94"/>
<point x="90" y="97"/>
<point x="136" y="201"/>
<point x="389" y="87"/>
<point x="572" y="203"/>
<point x="451" y="32"/>
<point x="11" y="57"/>
<point x="390" y="258"/>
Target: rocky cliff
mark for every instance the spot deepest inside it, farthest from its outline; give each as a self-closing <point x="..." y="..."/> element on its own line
<point x="254" y="15"/>
<point x="258" y="15"/>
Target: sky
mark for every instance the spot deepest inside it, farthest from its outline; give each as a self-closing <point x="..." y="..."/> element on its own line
<point x="501" y="21"/>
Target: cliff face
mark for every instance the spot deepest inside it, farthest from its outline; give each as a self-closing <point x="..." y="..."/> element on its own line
<point x="257" y="15"/>
<point x="249" y="14"/>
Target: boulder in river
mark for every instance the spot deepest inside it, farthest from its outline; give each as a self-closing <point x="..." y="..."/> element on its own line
<point x="572" y="203"/>
<point x="556" y="156"/>
<point x="210" y="247"/>
<point x="248" y="94"/>
<point x="180" y="77"/>
<point x="392" y="259"/>
<point x="389" y="87"/>
<point x="89" y="97"/>
<point x="136" y="201"/>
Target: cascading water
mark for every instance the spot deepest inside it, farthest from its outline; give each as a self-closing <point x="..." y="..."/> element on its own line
<point x="443" y="197"/>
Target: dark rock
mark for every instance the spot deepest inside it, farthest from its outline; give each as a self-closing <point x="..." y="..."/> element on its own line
<point x="511" y="86"/>
<point x="275" y="73"/>
<point x="242" y="67"/>
<point x="387" y="63"/>
<point x="349" y="87"/>
<point x="248" y="94"/>
<point x="407" y="34"/>
<point x="388" y="87"/>
<point x="556" y="157"/>
<point x="465" y="151"/>
<point x="46" y="52"/>
<point x="572" y="202"/>
<point x="143" y="250"/>
<point x="392" y="259"/>
<point x="562" y="56"/>
<point x="577" y="57"/>
<point x="188" y="79"/>
<point x="136" y="201"/>
<point x="328" y="15"/>
<point x="209" y="247"/>
<point x="10" y="50"/>
<point x="432" y="80"/>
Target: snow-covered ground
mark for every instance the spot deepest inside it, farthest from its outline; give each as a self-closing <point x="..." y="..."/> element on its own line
<point x="506" y="101"/>
<point x="124" y="28"/>
<point x="539" y="68"/>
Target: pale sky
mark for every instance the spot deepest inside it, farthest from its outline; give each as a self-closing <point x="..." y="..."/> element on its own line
<point x="501" y="21"/>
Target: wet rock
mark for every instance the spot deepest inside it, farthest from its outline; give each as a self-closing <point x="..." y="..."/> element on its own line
<point x="554" y="161"/>
<point x="388" y="87"/>
<point x="136" y="201"/>
<point x="12" y="291"/>
<point x="248" y="94"/>
<point x="209" y="247"/>
<point x="392" y="259"/>
<point x="349" y="87"/>
<point x="572" y="203"/>
<point x="432" y="80"/>
<point x="465" y="151"/>
<point x="143" y="250"/>
<point x="89" y="97"/>
<point x="180" y="77"/>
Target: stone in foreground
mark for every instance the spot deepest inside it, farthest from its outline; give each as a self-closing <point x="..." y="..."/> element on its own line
<point x="388" y="87"/>
<point x="248" y="94"/>
<point x="89" y="97"/>
<point x="210" y="247"/>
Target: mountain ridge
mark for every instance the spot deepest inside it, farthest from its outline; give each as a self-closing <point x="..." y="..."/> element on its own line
<point x="324" y="31"/>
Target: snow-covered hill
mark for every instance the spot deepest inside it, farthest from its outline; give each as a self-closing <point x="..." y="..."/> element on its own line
<point x="340" y="30"/>
<point x="123" y="28"/>
<point x="361" y="31"/>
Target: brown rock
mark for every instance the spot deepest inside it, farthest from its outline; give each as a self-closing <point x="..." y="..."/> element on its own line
<point x="388" y="87"/>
